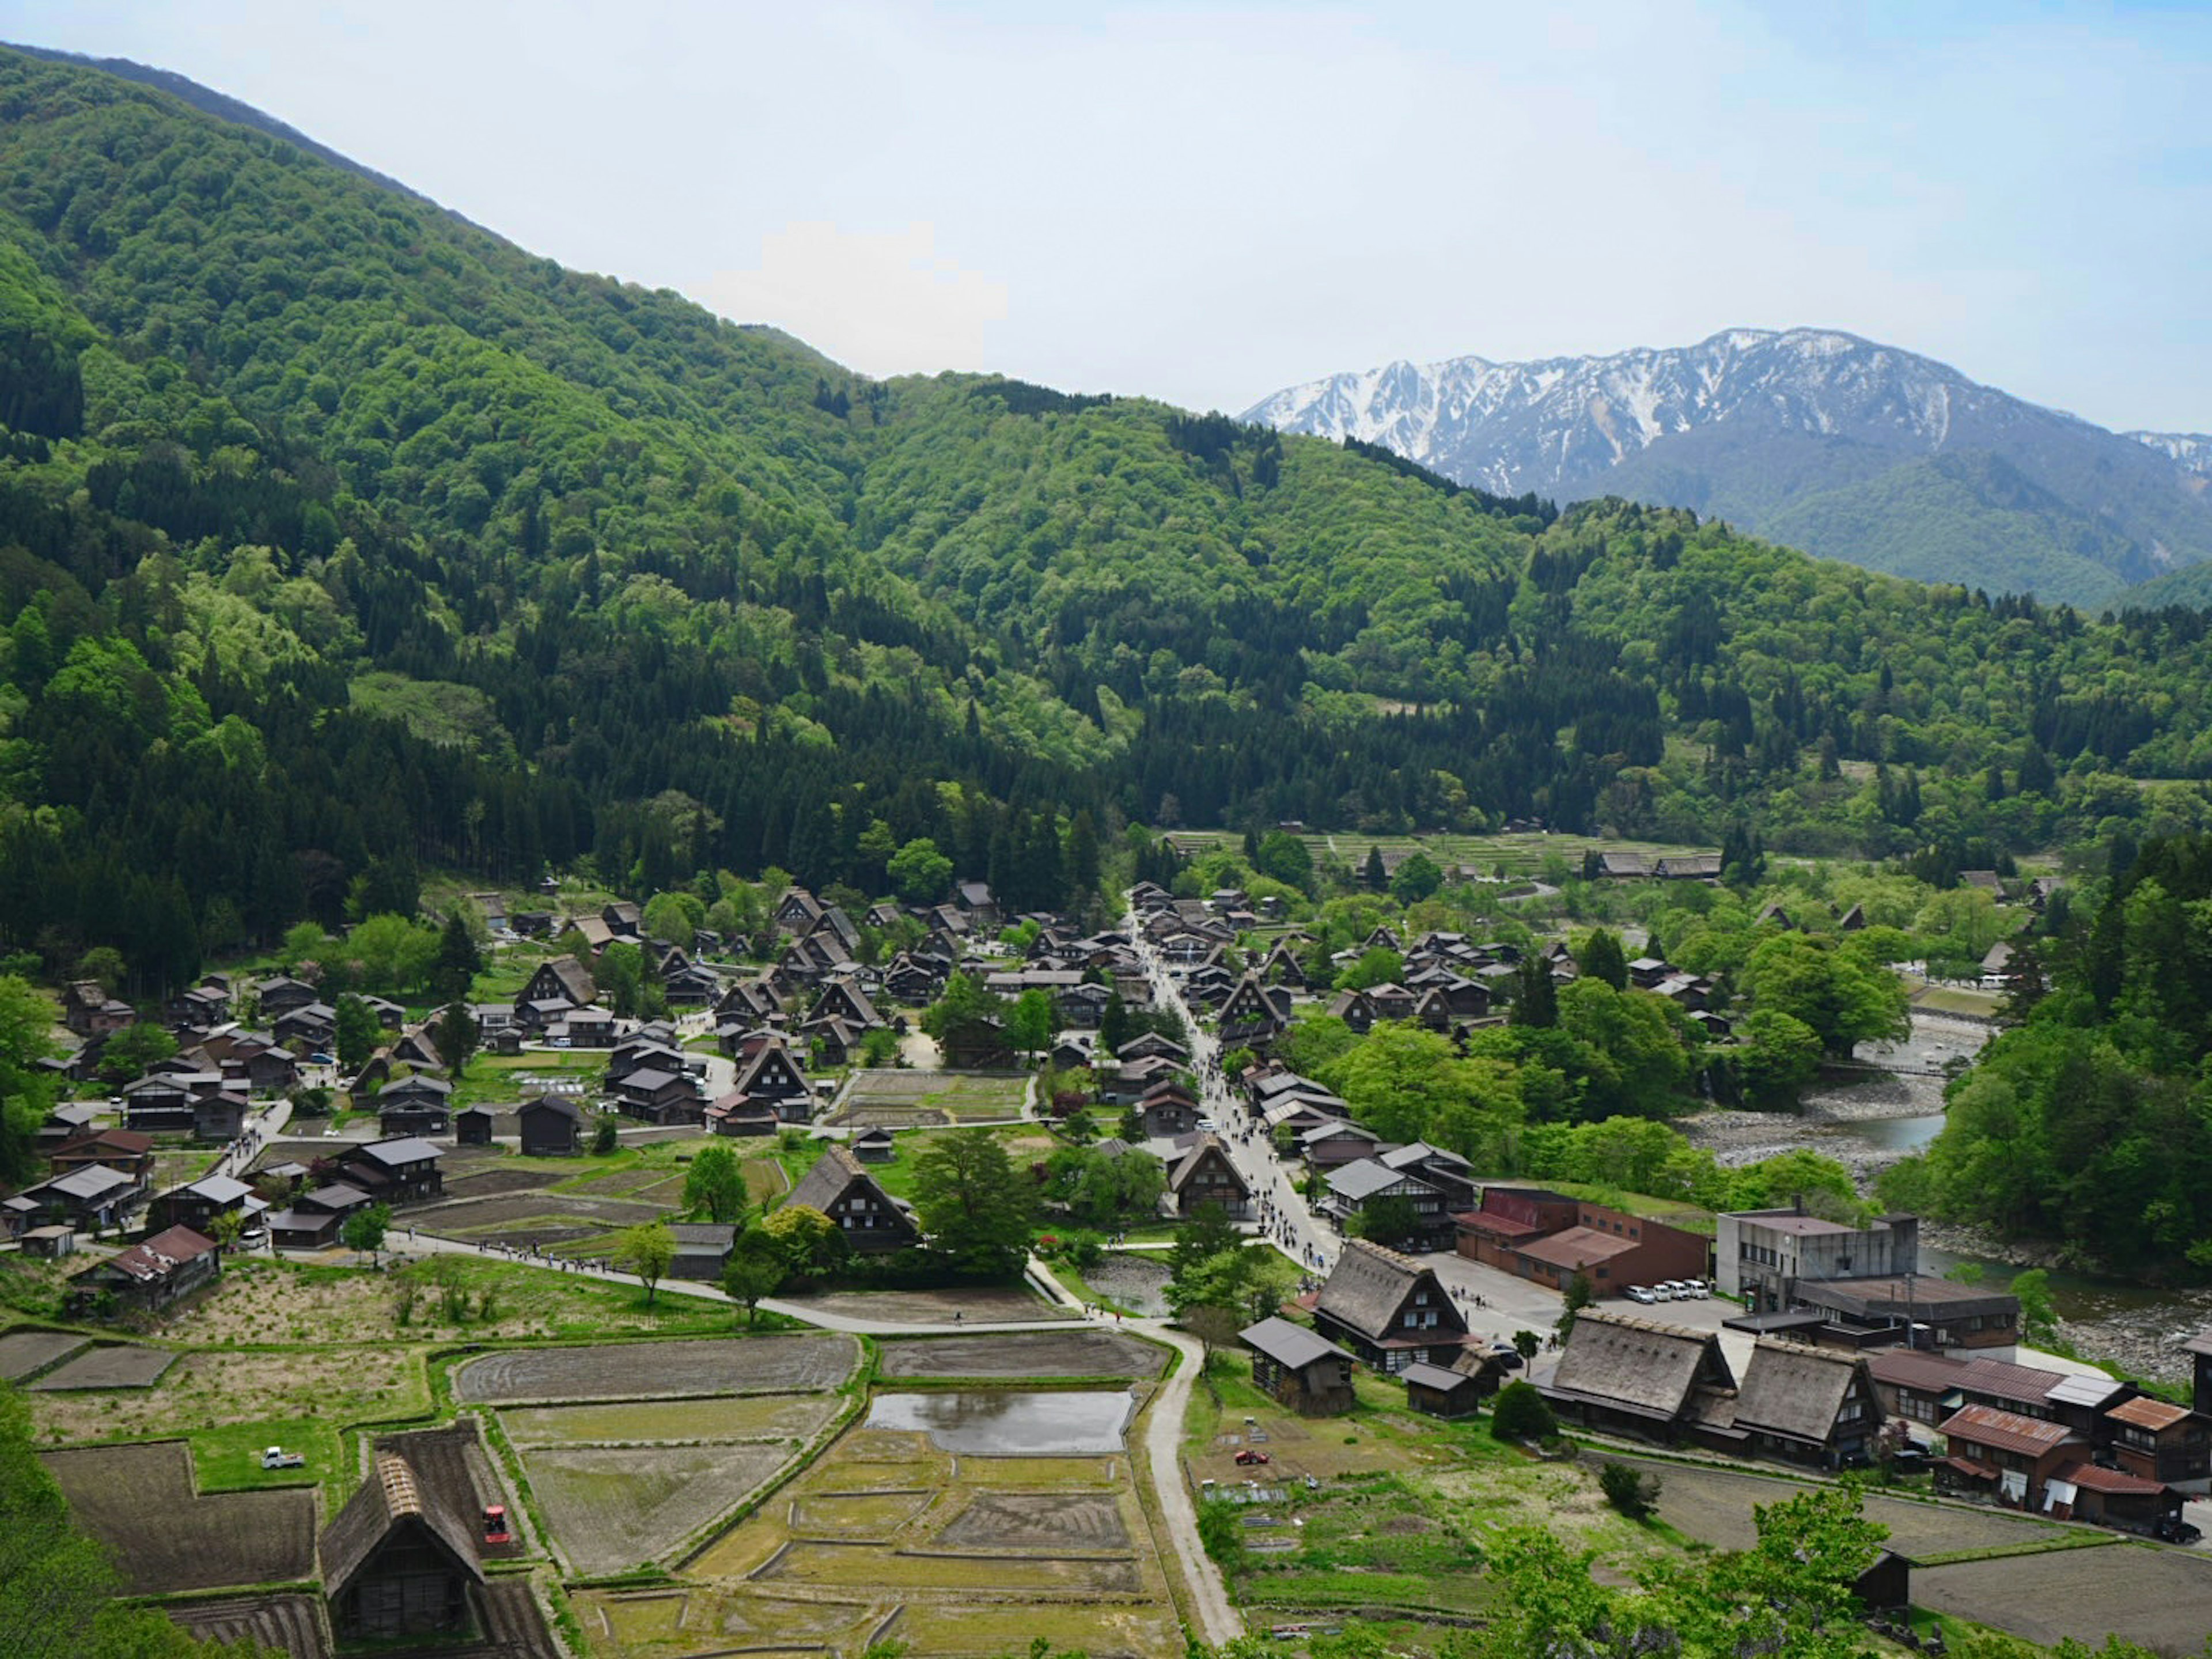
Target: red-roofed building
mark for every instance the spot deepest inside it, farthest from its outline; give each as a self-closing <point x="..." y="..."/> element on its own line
<point x="2083" y="1491"/>
<point x="2022" y="1453"/>
<point x="1615" y="1249"/>
<point x="2162" y="1443"/>
<point x="1511" y="1216"/>
<point x="150" y="1274"/>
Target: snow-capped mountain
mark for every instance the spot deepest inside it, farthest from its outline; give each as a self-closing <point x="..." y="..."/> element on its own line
<point x="1844" y="446"/>
<point x="2189" y="451"/>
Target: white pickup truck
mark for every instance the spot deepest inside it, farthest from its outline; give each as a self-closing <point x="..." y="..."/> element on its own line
<point x="277" y="1458"/>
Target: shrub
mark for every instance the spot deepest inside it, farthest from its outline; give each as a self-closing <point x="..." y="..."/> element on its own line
<point x="1221" y="1530"/>
<point x="1521" y="1413"/>
<point x="1633" y="1493"/>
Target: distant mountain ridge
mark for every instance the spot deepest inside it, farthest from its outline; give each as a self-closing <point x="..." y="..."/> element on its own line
<point x="1849" y="448"/>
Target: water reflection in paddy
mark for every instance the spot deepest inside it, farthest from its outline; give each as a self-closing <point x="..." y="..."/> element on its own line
<point x="1004" y="1423"/>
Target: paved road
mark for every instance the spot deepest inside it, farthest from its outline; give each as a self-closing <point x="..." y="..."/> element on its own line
<point x="1288" y="1223"/>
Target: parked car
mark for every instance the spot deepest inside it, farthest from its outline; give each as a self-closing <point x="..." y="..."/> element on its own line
<point x="277" y="1458"/>
<point x="1641" y="1293"/>
<point x="2175" y="1530"/>
<point x="1508" y="1356"/>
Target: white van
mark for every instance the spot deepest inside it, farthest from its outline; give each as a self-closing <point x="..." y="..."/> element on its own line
<point x="1641" y="1293"/>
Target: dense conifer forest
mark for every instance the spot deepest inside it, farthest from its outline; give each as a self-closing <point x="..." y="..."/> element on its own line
<point x="340" y="539"/>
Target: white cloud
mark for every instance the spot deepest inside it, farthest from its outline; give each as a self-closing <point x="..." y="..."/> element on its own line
<point x="883" y="302"/>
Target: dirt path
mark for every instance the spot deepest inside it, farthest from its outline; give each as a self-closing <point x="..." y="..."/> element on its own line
<point x="1216" y="1619"/>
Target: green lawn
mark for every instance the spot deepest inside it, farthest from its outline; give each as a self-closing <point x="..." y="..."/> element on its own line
<point x="227" y="1458"/>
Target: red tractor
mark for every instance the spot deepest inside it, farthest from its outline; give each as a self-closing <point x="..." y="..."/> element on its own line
<point x="1249" y="1456"/>
<point x="494" y="1525"/>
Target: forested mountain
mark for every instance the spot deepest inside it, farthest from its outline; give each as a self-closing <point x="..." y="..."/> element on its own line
<point x="1850" y="449"/>
<point x="339" y="539"/>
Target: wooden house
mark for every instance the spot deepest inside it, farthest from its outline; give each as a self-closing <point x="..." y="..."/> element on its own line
<point x="871" y="1220"/>
<point x="1353" y="1186"/>
<point x="1443" y="1391"/>
<point x="1335" y="1145"/>
<point x="771" y="1074"/>
<point x="400" y="1171"/>
<point x="197" y="1204"/>
<point x="2004" y="1456"/>
<point x="473" y="1126"/>
<point x="397" y="1561"/>
<point x="1802" y="1405"/>
<point x="1389" y="1309"/>
<point x="558" y="985"/>
<point x="1637" y="1377"/>
<point x="550" y="1126"/>
<point x="653" y="1096"/>
<point x="416" y="1105"/>
<point x="2161" y="1442"/>
<point x="152" y="1273"/>
<point x="874" y="1146"/>
<point x="702" y="1249"/>
<point x="1310" y="1374"/>
<point x="1168" y="1110"/>
<point x="1206" y="1174"/>
<point x="313" y="1219"/>
<point x="90" y="1198"/>
<point x="279" y="996"/>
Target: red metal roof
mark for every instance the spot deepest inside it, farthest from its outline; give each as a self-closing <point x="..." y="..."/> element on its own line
<point x="1986" y="1426"/>
<point x="2114" y="1483"/>
<point x="2144" y="1413"/>
<point x="1577" y="1247"/>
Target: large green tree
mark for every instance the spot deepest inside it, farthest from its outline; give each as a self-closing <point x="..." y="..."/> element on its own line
<point x="27" y="1090"/>
<point x="975" y="1208"/>
<point x="1842" y="1002"/>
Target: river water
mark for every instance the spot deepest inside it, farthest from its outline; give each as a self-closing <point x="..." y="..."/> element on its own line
<point x="1868" y="1122"/>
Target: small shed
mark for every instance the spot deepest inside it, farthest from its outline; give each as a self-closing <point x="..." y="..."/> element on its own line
<point x="472" y="1125"/>
<point x="1887" y="1585"/>
<point x="702" y="1249"/>
<point x="550" y="1127"/>
<point x="874" y="1146"/>
<point x="1434" y="1391"/>
<point x="1308" y="1373"/>
<point x="52" y="1242"/>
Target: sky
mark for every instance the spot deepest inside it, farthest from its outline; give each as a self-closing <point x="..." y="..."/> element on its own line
<point x="1203" y="202"/>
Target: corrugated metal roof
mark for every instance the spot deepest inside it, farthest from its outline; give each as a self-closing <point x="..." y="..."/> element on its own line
<point x="1986" y="1426"/>
<point x="2144" y="1413"/>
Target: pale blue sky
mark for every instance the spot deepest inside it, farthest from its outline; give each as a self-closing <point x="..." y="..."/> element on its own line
<point x="1205" y="202"/>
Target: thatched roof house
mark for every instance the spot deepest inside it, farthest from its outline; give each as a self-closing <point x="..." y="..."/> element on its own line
<point x="397" y="1561"/>
<point x="1806" y="1404"/>
<point x="1639" y="1376"/>
<point x="1389" y="1309"/>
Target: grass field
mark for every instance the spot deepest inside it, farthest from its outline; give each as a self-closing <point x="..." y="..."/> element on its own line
<point x="1399" y="1508"/>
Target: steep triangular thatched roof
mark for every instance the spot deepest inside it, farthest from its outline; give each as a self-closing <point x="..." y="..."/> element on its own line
<point x="1635" y="1365"/>
<point x="832" y="1176"/>
<point x="391" y="1499"/>
<point x="1369" y="1284"/>
<point x="1205" y="1150"/>
<point x="1789" y="1388"/>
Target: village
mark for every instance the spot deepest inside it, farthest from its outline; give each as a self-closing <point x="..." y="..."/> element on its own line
<point x="452" y="1355"/>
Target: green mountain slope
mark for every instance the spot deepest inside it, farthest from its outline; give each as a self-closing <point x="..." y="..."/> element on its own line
<point x="338" y="539"/>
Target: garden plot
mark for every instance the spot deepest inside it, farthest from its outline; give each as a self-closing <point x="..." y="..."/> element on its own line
<point x="980" y="1304"/>
<point x="775" y="1417"/>
<point x="292" y="1624"/>
<point x="1715" y="1506"/>
<point x="659" y="1370"/>
<point x="889" y="1536"/>
<point x="1086" y="1352"/>
<point x="25" y="1353"/>
<point x="128" y="1365"/>
<point x="140" y="1502"/>
<point x="213" y="1387"/>
<point x="613" y="1507"/>
<point x="2161" y="1598"/>
<point x="907" y="1100"/>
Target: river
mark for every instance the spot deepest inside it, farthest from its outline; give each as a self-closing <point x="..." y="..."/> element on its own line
<point x="1870" y="1122"/>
